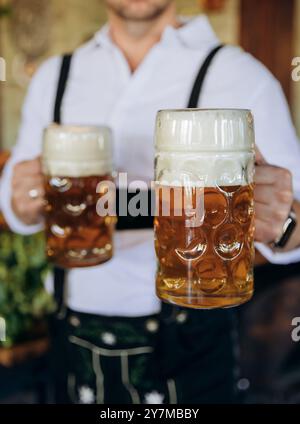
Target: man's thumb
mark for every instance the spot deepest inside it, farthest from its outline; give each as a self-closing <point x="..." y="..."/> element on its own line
<point x="259" y="159"/>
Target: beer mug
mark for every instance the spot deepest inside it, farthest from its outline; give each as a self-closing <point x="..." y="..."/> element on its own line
<point x="204" y="223"/>
<point x="75" y="160"/>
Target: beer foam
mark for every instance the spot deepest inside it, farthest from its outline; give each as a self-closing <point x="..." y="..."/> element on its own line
<point x="208" y="147"/>
<point x="77" y="151"/>
<point x="205" y="169"/>
<point x="204" y="130"/>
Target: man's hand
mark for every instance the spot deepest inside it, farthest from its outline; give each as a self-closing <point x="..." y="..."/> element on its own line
<point x="273" y="196"/>
<point x="28" y="191"/>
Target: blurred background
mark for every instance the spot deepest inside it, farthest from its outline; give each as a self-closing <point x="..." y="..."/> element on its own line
<point x="31" y="31"/>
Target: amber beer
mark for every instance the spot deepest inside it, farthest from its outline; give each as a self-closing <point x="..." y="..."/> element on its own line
<point x="205" y="252"/>
<point x="75" y="160"/>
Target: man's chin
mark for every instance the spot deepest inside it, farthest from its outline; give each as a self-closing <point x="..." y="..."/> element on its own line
<point x="139" y="18"/>
<point x="139" y="13"/>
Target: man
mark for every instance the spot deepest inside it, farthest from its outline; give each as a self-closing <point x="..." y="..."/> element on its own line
<point x="123" y="344"/>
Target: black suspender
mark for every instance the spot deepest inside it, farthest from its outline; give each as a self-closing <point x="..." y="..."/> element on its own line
<point x="124" y="222"/>
<point x="61" y="87"/>
<point x="59" y="273"/>
<point x="198" y="84"/>
<point x="192" y="103"/>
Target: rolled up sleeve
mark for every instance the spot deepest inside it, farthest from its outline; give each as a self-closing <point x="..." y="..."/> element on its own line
<point x="277" y="139"/>
<point x="36" y="115"/>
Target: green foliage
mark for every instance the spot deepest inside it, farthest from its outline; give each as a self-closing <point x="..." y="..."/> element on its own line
<point x="5" y="11"/>
<point x="23" y="300"/>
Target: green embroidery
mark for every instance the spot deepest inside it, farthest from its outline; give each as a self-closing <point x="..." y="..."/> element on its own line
<point x="125" y="333"/>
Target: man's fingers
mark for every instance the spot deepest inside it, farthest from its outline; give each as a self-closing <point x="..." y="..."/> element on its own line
<point x="263" y="194"/>
<point x="28" y="183"/>
<point x="31" y="167"/>
<point x="273" y="196"/>
<point x="28" y="191"/>
<point x="259" y="159"/>
<point x="28" y="210"/>
<point x="272" y="175"/>
<point x="29" y="195"/>
<point x="264" y="174"/>
<point x="269" y="214"/>
<point x="266" y="233"/>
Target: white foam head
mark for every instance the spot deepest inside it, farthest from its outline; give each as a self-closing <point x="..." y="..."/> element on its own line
<point x="204" y="130"/>
<point x="215" y="146"/>
<point x="77" y="151"/>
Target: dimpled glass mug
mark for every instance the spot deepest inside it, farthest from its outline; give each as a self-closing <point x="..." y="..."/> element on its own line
<point x="204" y="223"/>
<point x="75" y="160"/>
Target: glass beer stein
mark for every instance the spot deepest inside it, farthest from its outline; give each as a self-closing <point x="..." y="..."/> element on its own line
<point x="75" y="160"/>
<point x="204" y="221"/>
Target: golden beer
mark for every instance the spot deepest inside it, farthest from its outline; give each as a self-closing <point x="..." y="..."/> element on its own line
<point x="75" y="161"/>
<point x="204" y="261"/>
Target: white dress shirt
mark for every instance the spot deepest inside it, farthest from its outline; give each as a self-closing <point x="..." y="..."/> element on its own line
<point x="102" y="90"/>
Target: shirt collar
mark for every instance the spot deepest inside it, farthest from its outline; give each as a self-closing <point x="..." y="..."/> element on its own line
<point x="195" y="33"/>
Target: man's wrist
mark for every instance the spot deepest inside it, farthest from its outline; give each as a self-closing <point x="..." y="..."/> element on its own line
<point x="288" y="229"/>
<point x="293" y="236"/>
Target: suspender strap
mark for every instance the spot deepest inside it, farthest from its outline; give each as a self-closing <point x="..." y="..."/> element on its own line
<point x="59" y="288"/>
<point x="59" y="273"/>
<point x="197" y="88"/>
<point x="62" y="82"/>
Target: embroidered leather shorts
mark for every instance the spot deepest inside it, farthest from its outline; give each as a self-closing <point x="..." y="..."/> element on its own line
<point x="174" y="357"/>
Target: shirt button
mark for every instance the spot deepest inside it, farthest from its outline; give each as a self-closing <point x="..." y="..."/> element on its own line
<point x="109" y="338"/>
<point x="74" y="321"/>
<point x="152" y="325"/>
<point x="181" y="317"/>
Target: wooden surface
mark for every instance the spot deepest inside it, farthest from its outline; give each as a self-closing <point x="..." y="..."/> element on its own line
<point x="266" y="31"/>
<point x="3" y="225"/>
<point x="22" y="352"/>
<point x="4" y="155"/>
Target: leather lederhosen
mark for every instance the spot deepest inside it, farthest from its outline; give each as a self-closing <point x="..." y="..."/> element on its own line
<point x="193" y="351"/>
